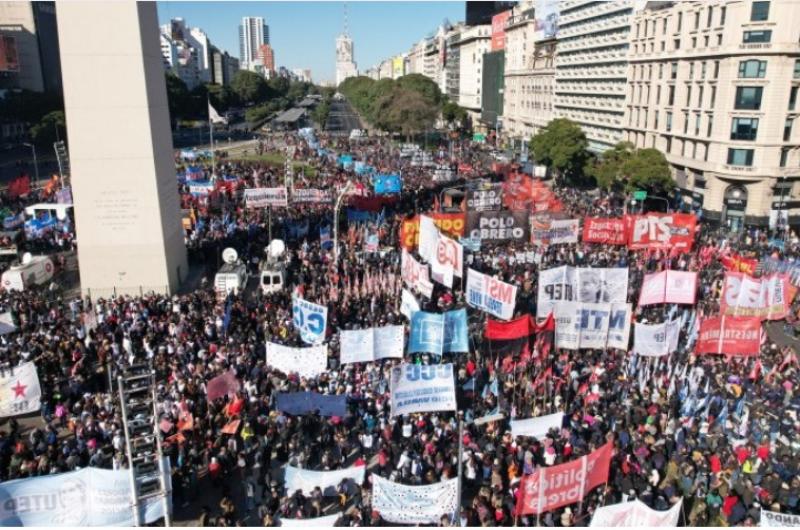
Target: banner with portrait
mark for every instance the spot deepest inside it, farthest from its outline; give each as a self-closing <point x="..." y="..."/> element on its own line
<point x="580" y="284"/>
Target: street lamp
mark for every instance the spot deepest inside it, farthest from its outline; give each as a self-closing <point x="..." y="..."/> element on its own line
<point x="35" y="161"/>
<point x="347" y="189"/>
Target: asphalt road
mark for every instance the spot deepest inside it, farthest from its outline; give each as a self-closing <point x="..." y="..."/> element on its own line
<point x="342" y="119"/>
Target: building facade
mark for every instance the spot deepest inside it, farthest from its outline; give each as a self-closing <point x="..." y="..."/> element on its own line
<point x="473" y="44"/>
<point x="452" y="64"/>
<point x="29" y="42"/>
<point x="345" y="54"/>
<point x="266" y="57"/>
<point x="714" y="86"/>
<point x="253" y="33"/>
<point x="591" y="67"/>
<point x="223" y="66"/>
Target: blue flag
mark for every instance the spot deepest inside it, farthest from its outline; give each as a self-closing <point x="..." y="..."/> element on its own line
<point x="438" y="333"/>
<point x="385" y="184"/>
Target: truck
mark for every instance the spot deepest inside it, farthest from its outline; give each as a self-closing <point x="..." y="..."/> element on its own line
<point x="232" y="276"/>
<point x="273" y="269"/>
<point x="34" y="270"/>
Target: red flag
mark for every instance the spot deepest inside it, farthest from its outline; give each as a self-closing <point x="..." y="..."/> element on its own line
<point x="515" y="329"/>
<point x="553" y="487"/>
<point x="19" y="186"/>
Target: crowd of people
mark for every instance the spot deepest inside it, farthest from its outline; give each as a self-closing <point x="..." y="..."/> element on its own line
<point x="720" y="433"/>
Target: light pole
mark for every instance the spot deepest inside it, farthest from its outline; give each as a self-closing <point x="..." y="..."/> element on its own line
<point x="35" y="161"/>
<point x="348" y="187"/>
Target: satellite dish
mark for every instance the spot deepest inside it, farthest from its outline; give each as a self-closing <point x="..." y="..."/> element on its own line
<point x="276" y="248"/>
<point x="229" y="255"/>
<point x="27" y="258"/>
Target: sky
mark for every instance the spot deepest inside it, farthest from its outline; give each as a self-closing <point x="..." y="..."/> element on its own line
<point x="303" y="34"/>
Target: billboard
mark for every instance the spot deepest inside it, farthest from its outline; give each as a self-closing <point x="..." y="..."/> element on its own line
<point x="546" y="20"/>
<point x="499" y="30"/>
<point x="9" y="58"/>
<point x="398" y="67"/>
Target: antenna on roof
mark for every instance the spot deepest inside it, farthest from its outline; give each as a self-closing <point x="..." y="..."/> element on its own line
<point x="345" y="19"/>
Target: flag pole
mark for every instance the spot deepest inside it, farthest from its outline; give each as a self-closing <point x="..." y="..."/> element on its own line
<point x="211" y="135"/>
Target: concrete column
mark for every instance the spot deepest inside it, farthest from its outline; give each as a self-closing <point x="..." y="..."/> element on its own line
<point x="127" y="209"/>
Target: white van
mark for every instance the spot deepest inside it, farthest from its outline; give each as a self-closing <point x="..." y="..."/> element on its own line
<point x="232" y="277"/>
<point x="36" y="270"/>
<point x="273" y="278"/>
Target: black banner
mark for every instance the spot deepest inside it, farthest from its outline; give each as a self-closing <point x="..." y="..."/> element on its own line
<point x="504" y="225"/>
<point x="488" y="198"/>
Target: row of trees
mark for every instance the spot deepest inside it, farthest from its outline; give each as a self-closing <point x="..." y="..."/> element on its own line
<point x="409" y="104"/>
<point x="562" y="146"/>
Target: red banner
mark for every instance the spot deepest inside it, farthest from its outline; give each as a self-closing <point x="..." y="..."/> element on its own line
<point x="767" y="298"/>
<point x="604" y="230"/>
<point x="515" y="329"/>
<point x="451" y="224"/>
<point x="729" y="336"/>
<point x="19" y="186"/>
<point x="661" y="231"/>
<point x="523" y="193"/>
<point x="553" y="487"/>
<point x="736" y="263"/>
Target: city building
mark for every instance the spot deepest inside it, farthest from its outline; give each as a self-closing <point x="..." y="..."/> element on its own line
<point x="253" y="33"/>
<point x="345" y="64"/>
<point x="386" y="69"/>
<point x="186" y="52"/>
<point x="492" y="82"/>
<point x="398" y="66"/>
<point x="714" y="86"/>
<point x="529" y="69"/>
<point x="29" y="49"/>
<point x="198" y="40"/>
<point x="223" y="66"/>
<point x="416" y="58"/>
<point x="452" y="63"/>
<point x="434" y="57"/>
<point x="473" y="43"/>
<point x="481" y="12"/>
<point x="266" y="57"/>
<point x="302" y="74"/>
<point x="592" y="67"/>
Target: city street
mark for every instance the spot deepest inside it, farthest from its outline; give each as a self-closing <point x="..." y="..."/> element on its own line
<point x="342" y="118"/>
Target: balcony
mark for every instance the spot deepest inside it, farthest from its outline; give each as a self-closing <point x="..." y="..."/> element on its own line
<point x="592" y="72"/>
<point x="594" y="11"/>
<point x="593" y="26"/>
<point x="601" y="41"/>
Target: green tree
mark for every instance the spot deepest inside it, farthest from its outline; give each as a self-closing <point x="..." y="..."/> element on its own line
<point x="221" y="96"/>
<point x="321" y="112"/>
<point x="278" y="86"/>
<point x="647" y="169"/>
<point x="561" y="145"/>
<point x="27" y="106"/>
<point x="249" y="87"/>
<point x="49" y="128"/>
<point x="405" y="111"/>
<point x="178" y="98"/>
<point x="607" y="170"/>
<point x="423" y="85"/>
<point x="452" y="114"/>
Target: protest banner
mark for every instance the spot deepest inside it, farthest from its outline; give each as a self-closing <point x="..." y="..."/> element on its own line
<point x="385" y="184"/>
<point x="415" y="274"/>
<point x="587" y="325"/>
<point x="489" y="294"/>
<point x="408" y="304"/>
<point x="88" y="497"/>
<point x="737" y="263"/>
<point x="372" y="344"/>
<point x="549" y="488"/>
<point x="310" y="319"/>
<point x="300" y="403"/>
<point x="306" y="362"/>
<point x="447" y="261"/>
<point x="727" y="335"/>
<point x="790" y="267"/>
<point x="668" y="287"/>
<point x="223" y="385"/>
<point x="661" y="231"/>
<point x="422" y="388"/>
<point x="656" y="340"/>
<point x="778" y="520"/>
<point x="414" y="505"/>
<point x="302" y="195"/>
<point x="428" y="237"/>
<point x="767" y="298"/>
<point x="305" y="480"/>
<point x="580" y="284"/>
<point x="20" y="392"/>
<point x="604" y="230"/>
<point x="547" y="231"/>
<point x="326" y="521"/>
<point x="263" y="197"/>
<point x="537" y="427"/>
<point x="450" y="224"/>
<point x="438" y="332"/>
<point x="636" y="514"/>
<point x="503" y="225"/>
<point x="486" y="198"/>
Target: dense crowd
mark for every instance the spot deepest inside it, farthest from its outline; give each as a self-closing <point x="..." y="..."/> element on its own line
<point x="721" y="433"/>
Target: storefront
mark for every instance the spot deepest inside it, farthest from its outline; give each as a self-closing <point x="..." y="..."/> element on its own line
<point x="733" y="208"/>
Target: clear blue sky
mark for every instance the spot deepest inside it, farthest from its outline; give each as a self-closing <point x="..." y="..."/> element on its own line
<point x="303" y="34"/>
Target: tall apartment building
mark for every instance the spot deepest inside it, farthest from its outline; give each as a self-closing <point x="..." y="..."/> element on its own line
<point x="253" y="33"/>
<point x="473" y="43"/>
<point x="415" y="58"/>
<point x="198" y="39"/>
<point x="345" y="63"/>
<point x="591" y="67"/>
<point x="452" y="69"/>
<point x="266" y="57"/>
<point x="714" y="86"/>
<point x="29" y="45"/>
<point x="434" y="57"/>
<point x="223" y="66"/>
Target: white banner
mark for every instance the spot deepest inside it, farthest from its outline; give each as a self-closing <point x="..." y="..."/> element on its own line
<point x="367" y="345"/>
<point x="546" y="231"/>
<point x="669" y="287"/>
<point x="310" y="195"/>
<point x="635" y="513"/>
<point x="428" y="237"/>
<point x="583" y="325"/>
<point x="447" y="261"/>
<point x="88" y="497"/>
<point x="656" y="340"/>
<point x="263" y="197"/>
<point x="295" y="479"/>
<point x="412" y="505"/>
<point x="418" y="388"/>
<point x="408" y="304"/>
<point x="310" y="319"/>
<point x="19" y="390"/>
<point x="494" y="296"/>
<point x="7" y="323"/>
<point x="777" y="519"/>
<point x="537" y="427"/>
<point x="327" y="521"/>
<point x="307" y="362"/>
<point x="415" y="274"/>
<point x="580" y="284"/>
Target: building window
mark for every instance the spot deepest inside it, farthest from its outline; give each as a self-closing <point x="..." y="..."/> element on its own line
<point x="752" y="69"/>
<point x="787" y="129"/>
<point x="669" y="121"/>
<point x="658" y="95"/>
<point x="661" y="70"/>
<point x="792" y="97"/>
<point x="671" y="97"/>
<point x="685" y="122"/>
<point x="710" y="125"/>
<point x="740" y="157"/>
<point x="689" y="95"/>
<point x="757" y="37"/>
<point x="669" y="145"/>
<point x="748" y="98"/>
<point x="680" y="21"/>
<point x="796" y="74"/>
<point x="655" y="124"/>
<point x="719" y="39"/>
<point x="722" y="14"/>
<point x="710" y="16"/>
<point x="697" y="124"/>
<point x="700" y="96"/>
<point x="677" y="44"/>
<point x="674" y="72"/>
<point x="663" y="45"/>
<point x="691" y="70"/>
<point x="784" y="156"/>
<point x="703" y="70"/>
<point x="664" y="26"/>
<point x="760" y="12"/>
<point x="705" y="41"/>
<point x="696" y="20"/>
<point x="694" y="42"/>
<point x="713" y="96"/>
<point x="744" y="129"/>
<point x="716" y="69"/>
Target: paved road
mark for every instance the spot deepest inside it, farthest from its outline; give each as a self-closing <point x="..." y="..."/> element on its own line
<point x="342" y="119"/>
